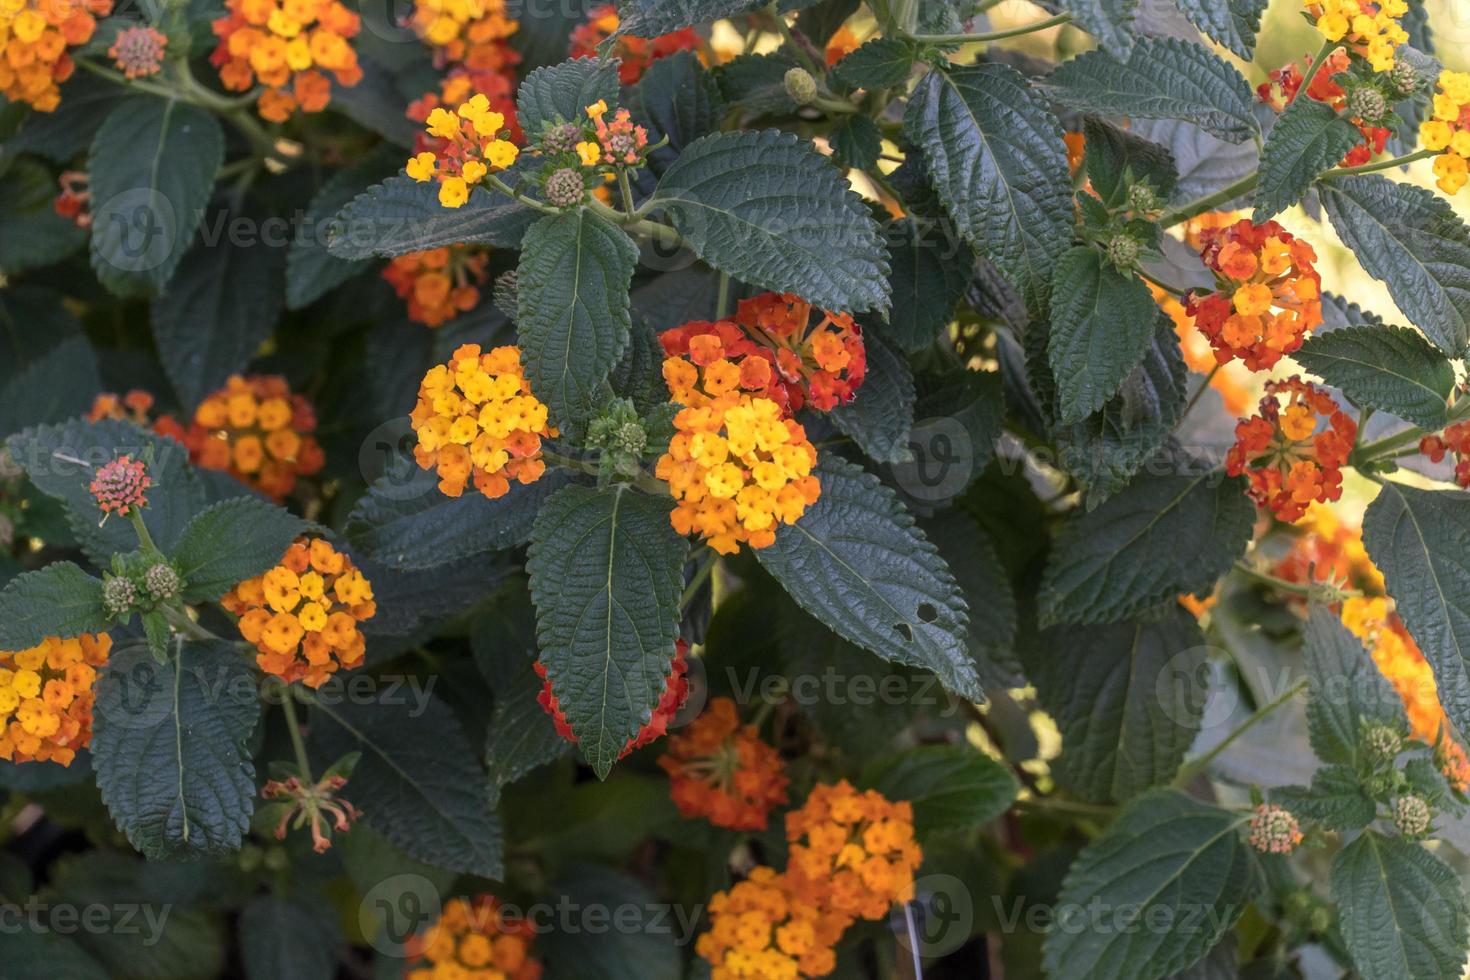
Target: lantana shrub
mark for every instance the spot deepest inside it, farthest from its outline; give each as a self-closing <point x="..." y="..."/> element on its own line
<point x="702" y="489"/>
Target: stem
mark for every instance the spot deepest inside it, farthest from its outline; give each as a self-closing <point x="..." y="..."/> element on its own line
<point x="530" y="202"/>
<point x="1039" y="25"/>
<point x="802" y="54"/>
<point x="1050" y="804"/>
<point x="643" y="481"/>
<point x="626" y="187"/>
<point x="706" y="567"/>
<point x="1390" y="446"/>
<point x="1280" y="584"/>
<point x="722" y="303"/>
<point x="1193" y="768"/>
<point x="182" y="624"/>
<point x="1210" y="201"/>
<point x="294" y="727"/>
<point x="135" y="517"/>
<point x="1368" y="168"/>
<point x="1198" y="394"/>
<point x="1149" y="277"/>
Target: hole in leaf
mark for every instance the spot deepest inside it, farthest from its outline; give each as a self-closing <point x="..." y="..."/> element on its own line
<point x="905" y="631"/>
<point x="927" y="612"/>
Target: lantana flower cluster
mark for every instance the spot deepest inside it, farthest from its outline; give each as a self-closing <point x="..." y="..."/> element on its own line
<point x="303" y="614"/>
<point x="34" y="38"/>
<point x="120" y="486"/>
<point x="676" y="691"/>
<point x="1274" y="830"/>
<point x="258" y="431"/>
<point x="439" y="284"/>
<point x="288" y="46"/>
<point x="1199" y="356"/>
<point x="1455" y="439"/>
<point x="74" y="203"/>
<point x="1448" y="130"/>
<point x="477" y="419"/>
<point x="46" y="698"/>
<point x="473" y="939"/>
<point x="1286" y="82"/>
<point x="620" y="143"/>
<point x="468" y="33"/>
<point x="759" y="929"/>
<point x="722" y="771"/>
<point x="138" y="51"/>
<point x="1287" y="460"/>
<point x="634" y="54"/>
<point x="1369" y="28"/>
<point x="1268" y="293"/>
<point x="474" y="144"/>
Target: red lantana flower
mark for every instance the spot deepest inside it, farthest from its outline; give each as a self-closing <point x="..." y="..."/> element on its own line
<point x="1289" y="459"/>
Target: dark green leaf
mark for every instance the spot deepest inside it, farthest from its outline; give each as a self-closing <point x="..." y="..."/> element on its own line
<point x="1232" y="23"/>
<point x="230" y="542"/>
<point x="930" y="267"/>
<point x="976" y="566"/>
<point x="520" y="736"/>
<point x="31" y="232"/>
<point x="1116" y="158"/>
<point x="881" y="414"/>
<point x="756" y="83"/>
<point x="563" y="92"/>
<point x="57" y="385"/>
<point x="1388" y="368"/>
<point x="642" y="948"/>
<point x="57" y="600"/>
<point x="1310" y="137"/>
<point x="679" y="100"/>
<point x="402" y="215"/>
<point x="1347" y="692"/>
<point x="606" y="575"/>
<point x="650" y="18"/>
<point x="45" y="955"/>
<point x="1110" y="21"/>
<point x="879" y="64"/>
<point x="952" y="787"/>
<point x="1335" y="800"/>
<point x="289" y="938"/>
<point x="856" y="142"/>
<point x="311" y="270"/>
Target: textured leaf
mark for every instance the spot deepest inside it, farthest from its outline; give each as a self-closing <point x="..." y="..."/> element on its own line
<point x="1335" y="800"/>
<point x="402" y="215"/>
<point x="1347" y="692"/>
<point x="756" y="83"/>
<point x="769" y="210"/>
<point x="1310" y="137"/>
<point x="289" y="938"/>
<point x="417" y="782"/>
<point x="152" y="168"/>
<point x="857" y="563"/>
<point x="952" y="787"/>
<point x="650" y="18"/>
<point x="1232" y="23"/>
<point x="1388" y="368"/>
<point x="1401" y="909"/>
<point x="1110" y="21"/>
<point x="1102" y="324"/>
<point x="930" y="267"/>
<point x="972" y="559"/>
<point x="170" y="748"/>
<point x="1115" y="155"/>
<point x="878" y="64"/>
<point x="573" y="316"/>
<point x="881" y="414"/>
<point x="1162" y="78"/>
<point x="520" y="736"/>
<point x="1206" y="164"/>
<point x="230" y="542"/>
<point x="45" y="955"/>
<point x="1125" y="699"/>
<point x="678" y="100"/>
<point x="1160" y="537"/>
<point x="1166" y="859"/>
<point x="563" y="92"/>
<point x="1412" y="240"/>
<point x="1420" y="539"/>
<point x="218" y="309"/>
<point x="995" y="155"/>
<point x="57" y="385"/>
<point x="57" y="600"/>
<point x="311" y="270"/>
<point x="606" y="576"/>
<point x="856" y="142"/>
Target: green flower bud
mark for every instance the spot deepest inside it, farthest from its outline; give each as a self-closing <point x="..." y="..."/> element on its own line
<point x="162" y="582"/>
<point x="119" y="595"/>
<point x="801" y="86"/>
<point x="1411" y="815"/>
<point x="565" y="188"/>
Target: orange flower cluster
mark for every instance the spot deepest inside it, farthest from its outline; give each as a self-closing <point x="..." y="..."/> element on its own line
<point x="635" y="54"/>
<point x="760" y="930"/>
<point x="46" y="698"/>
<point x="1288" y="462"/>
<point x="722" y="771"/>
<point x="471" y="143"/>
<point x="256" y="430"/>
<point x="676" y="690"/>
<point x="778" y="352"/>
<point x="469" y="33"/>
<point x="844" y="42"/>
<point x="1328" y="551"/>
<point x="1076" y="143"/>
<point x="1448" y="131"/>
<point x="456" y="88"/>
<point x="1454" y="439"/>
<point x="34" y="37"/>
<point x="737" y="469"/>
<point x="138" y="51"/>
<point x="620" y="142"/>
<point x="1200" y="358"/>
<point x="1268" y="293"/>
<point x="852" y="852"/>
<point x="121" y="486"/>
<point x="439" y="284"/>
<point x="1286" y="83"/>
<point x="74" y="203"/>
<point x="302" y="615"/>
<point x="135" y="407"/>
<point x="287" y="46"/>
<point x="1369" y="29"/>
<point x="473" y="940"/>
<point x="476" y="417"/>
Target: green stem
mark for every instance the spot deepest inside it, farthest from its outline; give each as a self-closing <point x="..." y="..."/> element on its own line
<point x="703" y="572"/>
<point x="1050" y="804"/>
<point x="625" y="186"/>
<point x="642" y="481"/>
<point x="1039" y="25"/>
<point x="1210" y="201"/>
<point x="1193" y="768"/>
<point x="145" y="540"/>
<point x="1390" y="446"/>
<point x="1316" y="66"/>
<point x="1389" y="164"/>
<point x="183" y="625"/>
<point x="1279" y="584"/>
<point x="1172" y="290"/>
<point x="1198" y="394"/>
<point x="530" y="202"/>
<point x="802" y="54"/>
<point x="722" y="302"/>
<point x="297" y="744"/>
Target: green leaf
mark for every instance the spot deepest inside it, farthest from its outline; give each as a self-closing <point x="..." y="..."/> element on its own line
<point x="218" y="309"/>
<point x="289" y="937"/>
<point x="1310" y="137"/>
<point x="562" y="93"/>
<point x="1162" y="78"/>
<point x="170" y="748"/>
<point x="152" y="166"/>
<point x="650" y="18"/>
<point x="311" y="270"/>
<point x="1167" y="859"/>
<point x="756" y="84"/>
<point x="642" y="947"/>
<point x="996" y="157"/>
<point x="678" y="100"/>
<point x="972" y="558"/>
<point x="572" y="284"/>
<point x="31" y="232"/>
<point x="1347" y="692"/>
<point x="45" y="955"/>
<point x="1401" y="909"/>
<point x="881" y="414"/>
<point x="520" y="736"/>
<point x="857" y="563"/>
<point x="1125" y="697"/>
<point x="1412" y="240"/>
<point x="418" y="781"/>
<point x="1110" y="21"/>
<point x="606" y="576"/>
<point x="930" y="268"/>
<point x="952" y="787"/>
<point x="1116" y="158"/>
<point x="1420" y="539"/>
<point x="1231" y="23"/>
<point x="856" y="142"/>
<point x="769" y="210"/>
<point x="230" y="542"/>
<point x="1102" y="323"/>
<point x="1392" y="369"/>
<point x="1335" y="800"/>
<point x="57" y="385"/>
<point x="1160" y="537"/>
<point x="402" y="215"/>
<point x="879" y="64"/>
<point x="57" y="600"/>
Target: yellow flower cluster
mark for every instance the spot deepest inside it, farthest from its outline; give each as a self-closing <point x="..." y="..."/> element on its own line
<point x="1369" y="28"/>
<point x="736" y="467"/>
<point x="46" y="698"/>
<point x="759" y="930"/>
<point x="1448" y="130"/>
<point x="302" y="615"/>
<point x="473" y="939"/>
<point x="476" y="416"/>
<point x="469" y="32"/>
<point x="288" y="46"/>
<point x="470" y="146"/>
<point x="34" y="37"/>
